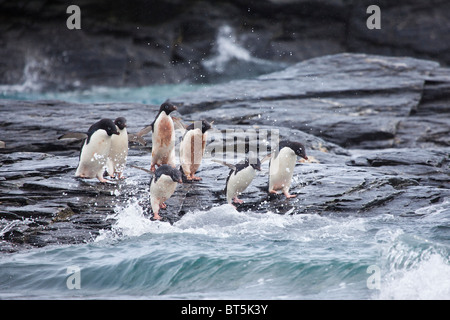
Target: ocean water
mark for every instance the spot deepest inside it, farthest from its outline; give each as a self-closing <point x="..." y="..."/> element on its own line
<point x="225" y="254"/>
<point x="148" y="94"/>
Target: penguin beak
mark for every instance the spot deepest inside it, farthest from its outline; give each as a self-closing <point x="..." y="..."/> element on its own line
<point x="118" y="133"/>
<point x="300" y="160"/>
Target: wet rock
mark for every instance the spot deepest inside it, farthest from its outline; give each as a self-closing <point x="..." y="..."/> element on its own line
<point x="375" y="130"/>
<point x="141" y="43"/>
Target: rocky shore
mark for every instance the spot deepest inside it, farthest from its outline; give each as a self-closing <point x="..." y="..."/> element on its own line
<point x="376" y="130"/>
<point x="135" y="43"/>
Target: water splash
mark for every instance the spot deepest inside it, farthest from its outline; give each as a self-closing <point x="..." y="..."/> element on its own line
<point x="414" y="272"/>
<point x="416" y="265"/>
<point x="32" y="77"/>
<point x="232" y="58"/>
<point x="227" y="49"/>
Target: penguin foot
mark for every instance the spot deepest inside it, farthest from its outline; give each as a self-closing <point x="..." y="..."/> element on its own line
<point x="231" y="204"/>
<point x="103" y="180"/>
<point x="195" y="178"/>
<point x="152" y="168"/>
<point x="163" y="205"/>
<point x="273" y="191"/>
<point x="289" y="195"/>
<point x="156" y="216"/>
<point x="238" y="200"/>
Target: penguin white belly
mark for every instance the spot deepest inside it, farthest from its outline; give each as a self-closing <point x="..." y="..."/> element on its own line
<point x="281" y="170"/>
<point x="118" y="154"/>
<point x="163" y="141"/>
<point x="238" y="182"/>
<point x="94" y="155"/>
<point x="161" y="190"/>
<point x="191" y="151"/>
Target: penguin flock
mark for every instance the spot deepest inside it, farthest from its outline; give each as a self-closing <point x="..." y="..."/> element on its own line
<point x="105" y="151"/>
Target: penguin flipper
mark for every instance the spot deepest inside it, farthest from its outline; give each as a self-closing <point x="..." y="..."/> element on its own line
<point x="178" y="124"/>
<point x="140" y="168"/>
<point x="144" y="131"/>
<point x="267" y="157"/>
<point x="73" y="135"/>
<point x="229" y="165"/>
<point x="136" y="138"/>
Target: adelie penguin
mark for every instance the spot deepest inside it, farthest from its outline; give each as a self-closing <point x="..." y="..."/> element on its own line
<point x="162" y="186"/>
<point x="118" y="154"/>
<point x="96" y="149"/>
<point x="163" y="137"/>
<point x="192" y="148"/>
<point x="281" y="166"/>
<point x="240" y="177"/>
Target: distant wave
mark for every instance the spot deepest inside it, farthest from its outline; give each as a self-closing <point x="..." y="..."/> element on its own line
<point x="31" y="76"/>
<point x="232" y="59"/>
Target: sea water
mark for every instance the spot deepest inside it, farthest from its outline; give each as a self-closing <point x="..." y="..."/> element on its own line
<point x="221" y="253"/>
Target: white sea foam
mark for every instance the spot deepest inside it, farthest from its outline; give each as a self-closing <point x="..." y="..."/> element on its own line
<point x="225" y="221"/>
<point x="228" y="49"/>
<point x="414" y="267"/>
<point x="436" y="211"/>
<point x="32" y="73"/>
<point x="415" y="274"/>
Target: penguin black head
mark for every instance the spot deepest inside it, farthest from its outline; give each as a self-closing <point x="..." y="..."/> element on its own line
<point x="256" y="166"/>
<point x="121" y="123"/>
<point x="167" y="107"/>
<point x="104" y="124"/>
<point x="205" y="126"/>
<point x="168" y="170"/>
<point x="297" y="147"/>
<point x="253" y="161"/>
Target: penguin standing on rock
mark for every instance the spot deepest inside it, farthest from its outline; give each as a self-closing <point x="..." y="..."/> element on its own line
<point x="192" y="148"/>
<point x="118" y="154"/>
<point x="281" y="166"/>
<point x="163" y="137"/>
<point x="240" y="177"/>
<point x="162" y="186"/>
<point x="96" y="149"/>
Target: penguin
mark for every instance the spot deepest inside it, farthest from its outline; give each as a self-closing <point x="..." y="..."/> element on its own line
<point x="281" y="166"/>
<point x="95" y="150"/>
<point x="118" y="154"/>
<point x="132" y="137"/>
<point x="163" y="137"/>
<point x="162" y="186"/>
<point x="240" y="178"/>
<point x="192" y="148"/>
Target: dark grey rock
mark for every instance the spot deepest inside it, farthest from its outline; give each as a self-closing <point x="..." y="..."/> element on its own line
<point x="136" y="43"/>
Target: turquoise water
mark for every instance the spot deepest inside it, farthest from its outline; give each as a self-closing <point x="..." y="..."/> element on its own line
<point x="225" y="254"/>
<point x="147" y="95"/>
